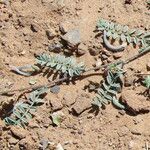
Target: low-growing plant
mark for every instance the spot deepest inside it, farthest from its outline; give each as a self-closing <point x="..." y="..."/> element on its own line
<point x="124" y="33"/>
<point x="110" y="87"/>
<point x="22" y="111"/>
<point x="68" y="67"/>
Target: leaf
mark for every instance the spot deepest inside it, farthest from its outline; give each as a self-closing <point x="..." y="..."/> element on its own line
<point x="132" y="31"/>
<point x="135" y="40"/>
<point x="129" y="40"/>
<point x="109" y="33"/>
<point x="71" y="72"/>
<point x="96" y="102"/>
<point x="123" y="37"/>
<point x="117" y="104"/>
<point x="125" y="29"/>
<point x="147" y="81"/>
<point x="139" y="32"/>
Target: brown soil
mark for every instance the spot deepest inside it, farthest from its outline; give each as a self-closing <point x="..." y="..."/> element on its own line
<point x="23" y="25"/>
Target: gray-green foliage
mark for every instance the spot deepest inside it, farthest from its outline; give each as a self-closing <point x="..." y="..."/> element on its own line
<point x="22" y="111"/>
<point x="147" y="81"/>
<point x="124" y="34"/>
<point x="110" y="87"/>
<point x="65" y="65"/>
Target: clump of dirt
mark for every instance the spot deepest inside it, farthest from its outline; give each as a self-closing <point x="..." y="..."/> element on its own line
<point x="32" y="27"/>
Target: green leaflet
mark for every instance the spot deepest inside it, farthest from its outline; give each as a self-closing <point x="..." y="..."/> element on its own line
<point x="123" y="33"/>
<point x="147" y="81"/>
<point x="21" y="112"/>
<point x="109" y="89"/>
<point x="66" y="65"/>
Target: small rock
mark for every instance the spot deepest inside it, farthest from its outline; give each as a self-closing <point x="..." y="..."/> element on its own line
<point x="131" y="145"/>
<point x="82" y="49"/>
<point x="18" y="132"/>
<point x="117" y="55"/>
<point x="26" y="144"/>
<point x="56" y="104"/>
<point x="65" y="26"/>
<point x="129" y="80"/>
<point x="50" y="34"/>
<point x="135" y="103"/>
<point x="69" y="98"/>
<point x="94" y="51"/>
<point x="148" y="66"/>
<point x="56" y="47"/>
<point x="72" y="38"/>
<point x="60" y="3"/>
<point x="123" y="131"/>
<point x="98" y="63"/>
<point x="135" y="131"/>
<point x="107" y="53"/>
<point x="110" y="59"/>
<point x="82" y="103"/>
<point x="55" y="89"/>
<point x="12" y="141"/>
<point x="33" y="125"/>
<point x="59" y="147"/>
<point x="35" y="27"/>
<point x="5" y="2"/>
<point x="104" y="57"/>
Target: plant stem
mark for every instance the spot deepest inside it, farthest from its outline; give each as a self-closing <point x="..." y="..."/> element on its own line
<point x="30" y="88"/>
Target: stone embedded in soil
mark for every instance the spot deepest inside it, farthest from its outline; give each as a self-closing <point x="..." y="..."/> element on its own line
<point x="73" y="39"/>
<point x="65" y="26"/>
<point x="56" y="47"/>
<point x="148" y="66"/>
<point x="118" y="55"/>
<point x="26" y="144"/>
<point x="83" y="102"/>
<point x="35" y="27"/>
<point x="94" y="51"/>
<point x="18" y="132"/>
<point x="82" y="49"/>
<point x="50" y="34"/>
<point x="135" y="103"/>
<point x="107" y="53"/>
<point x="13" y="141"/>
<point x="69" y="98"/>
<point x="129" y="80"/>
<point x="56" y="104"/>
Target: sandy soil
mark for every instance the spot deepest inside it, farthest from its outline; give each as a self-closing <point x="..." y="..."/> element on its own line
<point x="23" y="26"/>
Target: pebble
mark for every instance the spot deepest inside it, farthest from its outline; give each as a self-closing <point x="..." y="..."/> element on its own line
<point x="65" y="26"/>
<point x="117" y="55"/>
<point x="35" y="27"/>
<point x="56" y="47"/>
<point x="50" y="34"/>
<point x="104" y="57"/>
<point x="56" y="104"/>
<point x="55" y="89"/>
<point x="83" y="102"/>
<point x="107" y="53"/>
<point x="69" y="98"/>
<point x="72" y="38"/>
<point x="93" y="51"/>
<point x="148" y="66"/>
<point x="82" y="49"/>
<point x="18" y="132"/>
<point x="12" y="141"/>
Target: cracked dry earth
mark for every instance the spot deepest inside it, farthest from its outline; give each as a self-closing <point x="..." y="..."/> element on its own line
<point x="29" y="28"/>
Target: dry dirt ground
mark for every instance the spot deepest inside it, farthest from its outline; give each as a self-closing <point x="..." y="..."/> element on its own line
<point x="23" y="26"/>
